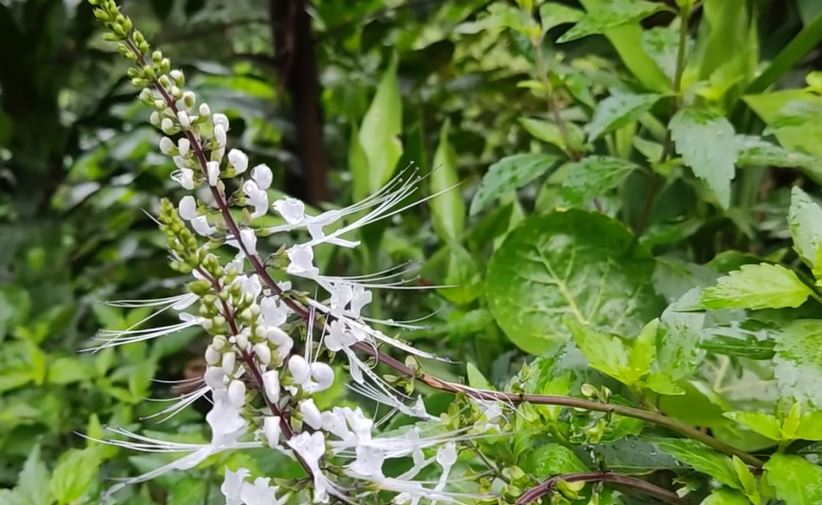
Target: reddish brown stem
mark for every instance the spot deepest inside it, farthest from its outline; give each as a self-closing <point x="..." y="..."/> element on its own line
<point x="640" y="485"/>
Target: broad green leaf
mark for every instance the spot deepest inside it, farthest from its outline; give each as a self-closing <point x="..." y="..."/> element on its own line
<point x="771" y="107"/>
<point x="727" y="25"/>
<point x="798" y="362"/>
<point x="574" y="264"/>
<point x="765" y="424"/>
<point x="448" y="207"/>
<point x="805" y="221"/>
<point x="643" y="350"/>
<point x="74" y="475"/>
<point x="754" y="151"/>
<point x="553" y="14"/>
<point x="552" y="459"/>
<point x="606" y="353"/>
<point x="740" y="341"/>
<point x="33" y="481"/>
<point x="617" y="111"/>
<point x="662" y="45"/>
<point x="680" y="331"/>
<point x="380" y="130"/>
<point x="517" y="19"/>
<point x="795" y="480"/>
<point x="725" y="497"/>
<point x="508" y="174"/>
<point x="707" y="144"/>
<point x="358" y="166"/>
<point x="615" y="13"/>
<point x="701" y="458"/>
<point x="754" y="287"/>
<point x="810" y="426"/>
<point x="66" y="370"/>
<point x="594" y="176"/>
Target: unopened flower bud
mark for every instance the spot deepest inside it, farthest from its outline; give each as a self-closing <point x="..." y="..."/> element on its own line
<point x="214" y="377"/>
<point x="263" y="353"/>
<point x="182" y="117"/>
<point x="221" y="120"/>
<point x="176" y="75"/>
<point x="242" y="341"/>
<point x="271" y="384"/>
<point x="311" y="414"/>
<point x="183" y="145"/>
<point x="299" y="369"/>
<point x="236" y="393"/>
<point x="189" y="99"/>
<point x="229" y="360"/>
<point x="262" y="176"/>
<point x="212" y="355"/>
<point x="205" y="110"/>
<point x="213" y="169"/>
<point x="167" y="125"/>
<point x="271" y="430"/>
<point x="154" y="118"/>
<point x="166" y="145"/>
<point x="219" y="342"/>
<point x="322" y="374"/>
<point x="238" y="160"/>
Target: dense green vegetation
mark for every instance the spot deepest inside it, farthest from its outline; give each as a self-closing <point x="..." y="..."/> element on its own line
<point x="624" y="226"/>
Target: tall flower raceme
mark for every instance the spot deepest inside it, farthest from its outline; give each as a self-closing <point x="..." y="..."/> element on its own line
<point x="271" y="346"/>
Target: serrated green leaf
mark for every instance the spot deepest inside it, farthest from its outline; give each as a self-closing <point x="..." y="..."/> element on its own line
<point x="755" y="151"/>
<point x="680" y="331"/>
<point x="617" y="111"/>
<point x="380" y="130"/>
<point x="553" y="14"/>
<point x="795" y="480"/>
<point x="593" y="177"/>
<point x="725" y="497"/>
<point x="615" y="13"/>
<point x="805" y="221"/>
<point x="448" y="207"/>
<point x="575" y="263"/>
<point x="798" y="362"/>
<point x="33" y="481"/>
<point x="606" y="353"/>
<point x="550" y="132"/>
<point x="706" y="142"/>
<point x="643" y="349"/>
<point x="756" y="287"/>
<point x="766" y="425"/>
<point x="508" y="174"/>
<point x="701" y="458"/>
<point x="74" y="475"/>
<point x="747" y="480"/>
<point x="552" y="459"/>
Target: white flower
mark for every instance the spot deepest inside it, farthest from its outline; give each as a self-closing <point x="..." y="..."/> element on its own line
<point x="214" y="377"/>
<point x="311" y="414"/>
<point x="301" y="261"/>
<point x="299" y="369"/>
<point x="167" y="125"/>
<point x="311" y="447"/>
<point x="205" y="110"/>
<point x="212" y="355"/>
<point x="201" y="226"/>
<point x="291" y="209"/>
<point x="271" y="384"/>
<point x="233" y="485"/>
<point x="185" y="177"/>
<point x="249" y="241"/>
<point x="229" y="362"/>
<point x="166" y="145"/>
<point x="183" y="145"/>
<point x="188" y="207"/>
<point x="262" y="176"/>
<point x="238" y="160"/>
<point x="184" y="119"/>
<point x="274" y="312"/>
<point x="213" y="170"/>
<point x="263" y="353"/>
<point x="339" y="337"/>
<point x="271" y="430"/>
<point x="257" y="197"/>
<point x="220" y="120"/>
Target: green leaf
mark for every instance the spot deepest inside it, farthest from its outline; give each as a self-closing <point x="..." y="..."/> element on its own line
<point x="798" y="362"/>
<point x="766" y="425"/>
<point x="554" y="14"/>
<point x="380" y="130"/>
<point x="754" y="151"/>
<point x="680" y="331"/>
<point x="552" y="459"/>
<point x="594" y="176"/>
<point x="805" y="221"/>
<point x="754" y="287"/>
<point x="662" y="45"/>
<point x="550" y="133"/>
<point x="606" y="353"/>
<point x="448" y="207"/>
<point x="619" y="110"/>
<point x="475" y="377"/>
<point x="574" y="264"/>
<point x="66" y="370"/>
<point x="33" y="482"/>
<point x="74" y="474"/>
<point x="774" y="106"/>
<point x="701" y="458"/>
<point x="358" y="166"/>
<point x="747" y="480"/>
<point x="725" y="497"/>
<point x="810" y="426"/>
<point x="615" y="13"/>
<point x="509" y="174"/>
<point x="643" y="349"/>
<point x="795" y="480"/>
<point x="707" y="144"/>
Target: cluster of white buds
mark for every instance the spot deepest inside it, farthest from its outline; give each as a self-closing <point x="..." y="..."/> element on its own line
<point x="260" y="381"/>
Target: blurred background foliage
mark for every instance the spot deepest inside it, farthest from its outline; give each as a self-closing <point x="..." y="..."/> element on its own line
<point x="324" y="93"/>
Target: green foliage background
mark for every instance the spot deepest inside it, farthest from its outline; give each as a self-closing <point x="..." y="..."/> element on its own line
<point x="627" y="202"/>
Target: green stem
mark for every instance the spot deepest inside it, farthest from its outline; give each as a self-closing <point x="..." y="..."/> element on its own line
<point x="550" y="99"/>
<point x="640" y="485"/>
